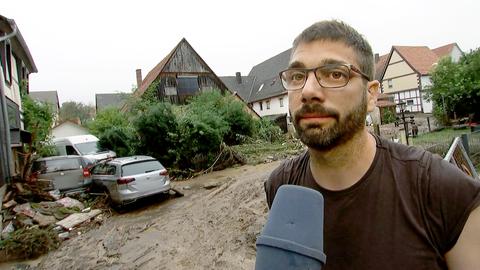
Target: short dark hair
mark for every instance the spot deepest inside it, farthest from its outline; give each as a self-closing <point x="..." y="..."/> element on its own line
<point x="334" y="30"/>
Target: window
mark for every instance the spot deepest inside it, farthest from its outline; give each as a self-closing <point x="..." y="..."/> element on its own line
<point x="409" y="102"/>
<point x="141" y="167"/>
<point x="261" y="105"/>
<point x="71" y="150"/>
<point x="390" y="83"/>
<point x="8" y="64"/>
<point x="104" y="169"/>
<point x="187" y="85"/>
<point x="281" y="101"/>
<point x="13" y="114"/>
<point x="268" y="104"/>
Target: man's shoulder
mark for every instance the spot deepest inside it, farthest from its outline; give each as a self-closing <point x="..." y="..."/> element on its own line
<point x="404" y="153"/>
<point x="291" y="164"/>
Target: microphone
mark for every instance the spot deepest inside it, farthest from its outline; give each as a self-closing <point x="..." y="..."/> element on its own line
<point x="292" y="238"/>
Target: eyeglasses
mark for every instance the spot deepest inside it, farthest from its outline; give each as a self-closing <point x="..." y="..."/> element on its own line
<point x="328" y="76"/>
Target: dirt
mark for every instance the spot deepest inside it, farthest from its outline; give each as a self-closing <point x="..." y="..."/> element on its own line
<point x="214" y="226"/>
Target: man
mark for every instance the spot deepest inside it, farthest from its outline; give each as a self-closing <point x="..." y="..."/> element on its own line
<point x="387" y="206"/>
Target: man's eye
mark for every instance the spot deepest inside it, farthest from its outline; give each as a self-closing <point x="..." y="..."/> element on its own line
<point x="337" y="75"/>
<point x="298" y="76"/>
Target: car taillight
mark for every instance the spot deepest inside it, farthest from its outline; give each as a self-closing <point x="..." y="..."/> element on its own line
<point x="163" y="173"/>
<point x="86" y="172"/>
<point x="124" y="181"/>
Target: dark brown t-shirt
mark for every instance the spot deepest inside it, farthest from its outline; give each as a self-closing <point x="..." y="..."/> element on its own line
<point x="406" y="212"/>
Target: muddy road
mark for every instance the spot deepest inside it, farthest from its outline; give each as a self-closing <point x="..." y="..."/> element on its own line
<point x="214" y="228"/>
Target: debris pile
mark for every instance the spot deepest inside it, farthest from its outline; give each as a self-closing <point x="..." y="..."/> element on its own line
<point x="35" y="221"/>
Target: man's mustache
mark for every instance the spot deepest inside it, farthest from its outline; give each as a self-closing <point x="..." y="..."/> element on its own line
<point x="316" y="109"/>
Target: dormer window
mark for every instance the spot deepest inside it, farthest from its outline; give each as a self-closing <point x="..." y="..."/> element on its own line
<point x="260" y="88"/>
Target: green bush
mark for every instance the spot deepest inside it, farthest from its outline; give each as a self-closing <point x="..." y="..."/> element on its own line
<point x="201" y="134"/>
<point x="157" y="129"/>
<point x="388" y="116"/>
<point x="238" y="122"/>
<point x="114" y="131"/>
<point x="441" y="116"/>
<point x="266" y="130"/>
<point x="119" y="139"/>
<point x="106" y="119"/>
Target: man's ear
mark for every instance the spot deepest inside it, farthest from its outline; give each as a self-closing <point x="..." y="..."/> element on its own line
<point x="372" y="95"/>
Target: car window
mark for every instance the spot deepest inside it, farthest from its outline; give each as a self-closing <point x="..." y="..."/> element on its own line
<point x="71" y="150"/>
<point x="104" y="169"/>
<point x="47" y="166"/>
<point x="141" y="167"/>
<point x="87" y="148"/>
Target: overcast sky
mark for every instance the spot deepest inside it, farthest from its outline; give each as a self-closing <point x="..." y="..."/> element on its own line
<point x="94" y="46"/>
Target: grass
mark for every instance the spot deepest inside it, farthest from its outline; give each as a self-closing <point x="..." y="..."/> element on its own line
<point x="439" y="141"/>
<point x="439" y="136"/>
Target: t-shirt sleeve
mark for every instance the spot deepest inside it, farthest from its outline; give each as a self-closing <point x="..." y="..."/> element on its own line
<point x="274" y="181"/>
<point x="449" y="198"/>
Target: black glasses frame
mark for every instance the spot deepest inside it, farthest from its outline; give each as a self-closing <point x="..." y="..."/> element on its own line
<point x="307" y="72"/>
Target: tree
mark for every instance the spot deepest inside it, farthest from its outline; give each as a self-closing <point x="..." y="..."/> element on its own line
<point x="114" y="131"/>
<point x="455" y="89"/>
<point x="72" y="110"/>
<point x="38" y="120"/>
<point x="157" y="129"/>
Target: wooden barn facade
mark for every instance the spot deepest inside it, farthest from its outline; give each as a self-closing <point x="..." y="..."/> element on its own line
<point x="180" y="75"/>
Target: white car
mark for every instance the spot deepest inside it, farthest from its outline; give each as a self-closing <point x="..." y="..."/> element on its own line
<point x="127" y="179"/>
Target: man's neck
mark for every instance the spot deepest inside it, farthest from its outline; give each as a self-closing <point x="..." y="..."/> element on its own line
<point x="344" y="165"/>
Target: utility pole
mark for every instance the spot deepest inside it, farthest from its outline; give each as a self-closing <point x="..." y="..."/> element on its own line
<point x="405" y="123"/>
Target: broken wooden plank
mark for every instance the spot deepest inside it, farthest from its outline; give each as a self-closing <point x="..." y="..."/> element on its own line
<point x="77" y="218"/>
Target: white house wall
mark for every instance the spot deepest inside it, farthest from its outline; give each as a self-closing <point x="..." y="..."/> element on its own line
<point x="400" y="83"/>
<point x="456" y="54"/>
<point x="275" y="107"/>
<point x="13" y="91"/>
<point x="427" y="105"/>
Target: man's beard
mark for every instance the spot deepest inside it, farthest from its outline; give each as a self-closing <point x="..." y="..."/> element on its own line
<point x="326" y="138"/>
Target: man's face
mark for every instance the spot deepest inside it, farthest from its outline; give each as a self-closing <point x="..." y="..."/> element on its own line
<point x="327" y="117"/>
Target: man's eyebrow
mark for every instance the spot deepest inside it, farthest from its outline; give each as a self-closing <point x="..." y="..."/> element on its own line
<point x="296" y="64"/>
<point x="327" y="61"/>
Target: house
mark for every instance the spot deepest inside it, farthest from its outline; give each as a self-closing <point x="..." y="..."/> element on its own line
<point x="115" y="100"/>
<point x="406" y="73"/>
<point x="263" y="90"/>
<point x="50" y="98"/>
<point x="16" y="65"/>
<point x="180" y="75"/>
<point x="69" y="128"/>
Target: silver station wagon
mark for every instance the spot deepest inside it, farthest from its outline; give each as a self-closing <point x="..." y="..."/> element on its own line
<point x="127" y="179"/>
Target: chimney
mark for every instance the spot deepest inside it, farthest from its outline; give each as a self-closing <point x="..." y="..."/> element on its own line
<point x="377" y="57"/>
<point x="139" y="78"/>
<point x="239" y="77"/>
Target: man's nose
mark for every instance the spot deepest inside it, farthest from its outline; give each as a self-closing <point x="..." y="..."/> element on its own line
<point x="312" y="90"/>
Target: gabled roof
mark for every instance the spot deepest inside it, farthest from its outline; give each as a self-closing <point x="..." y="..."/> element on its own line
<point x="116" y="100"/>
<point x="444" y="50"/>
<point x="50" y="97"/>
<point x="19" y="46"/>
<point x="380" y="66"/>
<point x="162" y="65"/>
<point x="242" y="89"/>
<point x="266" y="74"/>
<point x="420" y="58"/>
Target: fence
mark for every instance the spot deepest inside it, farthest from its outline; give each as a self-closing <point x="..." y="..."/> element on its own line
<point x="440" y="146"/>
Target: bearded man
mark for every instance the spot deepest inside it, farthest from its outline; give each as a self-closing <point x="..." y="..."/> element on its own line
<point x="387" y="206"/>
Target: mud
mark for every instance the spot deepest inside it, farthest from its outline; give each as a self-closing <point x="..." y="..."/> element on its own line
<point x="213" y="228"/>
